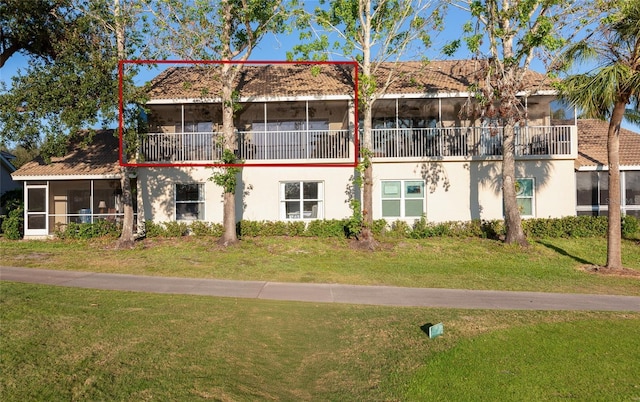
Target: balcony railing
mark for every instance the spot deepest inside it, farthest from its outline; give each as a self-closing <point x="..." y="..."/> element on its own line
<point x="469" y="141"/>
<point x="251" y="145"/>
<point x="334" y="145"/>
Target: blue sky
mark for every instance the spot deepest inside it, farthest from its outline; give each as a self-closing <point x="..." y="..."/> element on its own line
<point x="275" y="48"/>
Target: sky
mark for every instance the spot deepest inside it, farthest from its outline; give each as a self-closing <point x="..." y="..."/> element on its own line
<point x="274" y="48"/>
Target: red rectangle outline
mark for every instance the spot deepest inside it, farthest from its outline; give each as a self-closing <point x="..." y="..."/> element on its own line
<point x="121" y="63"/>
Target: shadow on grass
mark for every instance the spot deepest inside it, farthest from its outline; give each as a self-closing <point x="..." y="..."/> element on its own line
<point x="565" y="253"/>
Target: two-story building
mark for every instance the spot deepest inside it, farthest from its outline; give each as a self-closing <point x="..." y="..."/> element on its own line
<point x="295" y="131"/>
<point x="430" y="158"/>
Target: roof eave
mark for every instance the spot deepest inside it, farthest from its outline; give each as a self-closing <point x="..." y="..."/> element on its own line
<point x="106" y="176"/>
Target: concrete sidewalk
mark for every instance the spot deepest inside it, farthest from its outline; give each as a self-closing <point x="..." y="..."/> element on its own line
<point x="326" y="293"/>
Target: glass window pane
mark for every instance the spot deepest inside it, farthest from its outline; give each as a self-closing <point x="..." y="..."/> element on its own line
<point x="414" y="189"/>
<point x="524" y="187"/>
<point x="413" y="208"/>
<point x="391" y="189"/>
<point x="310" y="191"/>
<point x="187" y="192"/>
<point x="292" y="209"/>
<point x="391" y="208"/>
<point x="525" y="206"/>
<point x="604" y="188"/>
<point x="188" y="211"/>
<point x="587" y="187"/>
<point x="587" y="213"/>
<point x="310" y="209"/>
<point x="632" y="188"/>
<point x="292" y="191"/>
<point x="633" y="212"/>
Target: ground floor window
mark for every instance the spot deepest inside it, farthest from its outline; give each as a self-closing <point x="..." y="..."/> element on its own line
<point x="301" y="200"/>
<point x="403" y="198"/>
<point x="593" y="193"/>
<point x="525" y="191"/>
<point x="189" y="202"/>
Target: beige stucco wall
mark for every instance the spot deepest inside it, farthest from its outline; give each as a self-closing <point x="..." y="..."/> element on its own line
<point x="260" y="201"/>
<point x="455" y="190"/>
<point x="465" y="190"/>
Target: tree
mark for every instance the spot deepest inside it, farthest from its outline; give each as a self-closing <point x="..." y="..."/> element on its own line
<point x="73" y="85"/>
<point x="33" y="27"/>
<point x="606" y="91"/>
<point x="516" y="32"/>
<point x="372" y="32"/>
<point x="228" y="31"/>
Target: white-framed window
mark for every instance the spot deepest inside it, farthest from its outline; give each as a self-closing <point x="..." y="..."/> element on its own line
<point x="403" y="198"/>
<point x="189" y="200"/>
<point x="301" y="200"/>
<point x="525" y="196"/>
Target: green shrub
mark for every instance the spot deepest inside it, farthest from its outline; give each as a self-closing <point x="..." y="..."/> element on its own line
<point x="399" y="229"/>
<point x="13" y="224"/>
<point x="200" y="228"/>
<point x="99" y="228"/>
<point x="153" y="229"/>
<point x="379" y="227"/>
<point x="630" y="226"/>
<point x="270" y="228"/>
<point x="328" y="228"/>
<point x="175" y="229"/>
<point x="569" y="226"/>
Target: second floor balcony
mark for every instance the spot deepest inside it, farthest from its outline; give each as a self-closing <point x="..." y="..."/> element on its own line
<point x="333" y="146"/>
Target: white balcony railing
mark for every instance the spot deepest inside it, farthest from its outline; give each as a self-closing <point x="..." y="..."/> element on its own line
<point x="331" y="145"/>
<point x="469" y="141"/>
<point x="251" y="145"/>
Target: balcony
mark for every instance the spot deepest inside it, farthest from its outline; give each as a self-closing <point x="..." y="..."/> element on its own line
<point x="336" y="145"/>
<point x="465" y="142"/>
<point x="308" y="145"/>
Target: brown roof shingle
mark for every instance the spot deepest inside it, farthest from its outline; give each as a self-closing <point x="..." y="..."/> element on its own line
<point x="100" y="157"/>
<point x="592" y="144"/>
<point x="277" y="80"/>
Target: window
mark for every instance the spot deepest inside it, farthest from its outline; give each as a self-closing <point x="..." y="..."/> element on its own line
<point x="592" y="193"/>
<point x="402" y="198"/>
<point x="301" y="200"/>
<point x="632" y="188"/>
<point x="524" y="196"/>
<point x="189" y="202"/>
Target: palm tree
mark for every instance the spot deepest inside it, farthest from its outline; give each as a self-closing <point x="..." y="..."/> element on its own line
<point x="607" y="91"/>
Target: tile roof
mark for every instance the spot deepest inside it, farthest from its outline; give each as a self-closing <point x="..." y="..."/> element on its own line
<point x="100" y="157"/>
<point x="592" y="144"/>
<point x="275" y="80"/>
<point x="255" y="80"/>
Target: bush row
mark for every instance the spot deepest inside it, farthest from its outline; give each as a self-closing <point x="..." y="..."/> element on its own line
<point x="99" y="228"/>
<point x="571" y="226"/>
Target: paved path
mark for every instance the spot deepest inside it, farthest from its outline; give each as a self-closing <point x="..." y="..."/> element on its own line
<point x="326" y="293"/>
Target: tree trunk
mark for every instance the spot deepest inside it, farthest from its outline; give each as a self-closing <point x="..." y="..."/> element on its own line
<point x="229" y="235"/>
<point x="126" y="236"/>
<point x="366" y="235"/>
<point x="614" y="236"/>
<point x="512" y="220"/>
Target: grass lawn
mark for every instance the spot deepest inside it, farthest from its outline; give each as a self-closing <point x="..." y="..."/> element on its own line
<point x="547" y="265"/>
<point x="75" y="344"/>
